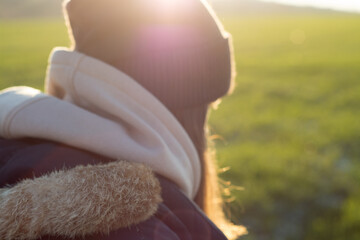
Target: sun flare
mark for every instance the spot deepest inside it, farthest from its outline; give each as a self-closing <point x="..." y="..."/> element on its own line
<point x="169" y="8"/>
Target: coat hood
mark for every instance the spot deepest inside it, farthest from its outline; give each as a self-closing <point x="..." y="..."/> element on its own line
<point x="93" y="106"/>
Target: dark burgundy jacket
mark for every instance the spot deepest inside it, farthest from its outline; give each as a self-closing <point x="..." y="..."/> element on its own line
<point x="177" y="218"/>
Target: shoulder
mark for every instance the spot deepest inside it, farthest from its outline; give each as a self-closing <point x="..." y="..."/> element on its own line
<point x="81" y="193"/>
<point x="29" y="158"/>
<point x="135" y="204"/>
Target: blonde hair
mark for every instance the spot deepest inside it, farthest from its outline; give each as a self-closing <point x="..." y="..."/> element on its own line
<point x="209" y="197"/>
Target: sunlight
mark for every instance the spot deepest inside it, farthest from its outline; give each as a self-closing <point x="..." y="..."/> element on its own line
<point x="167" y="9"/>
<point x="166" y="5"/>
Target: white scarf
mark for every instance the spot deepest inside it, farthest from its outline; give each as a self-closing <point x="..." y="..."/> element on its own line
<point x="98" y="108"/>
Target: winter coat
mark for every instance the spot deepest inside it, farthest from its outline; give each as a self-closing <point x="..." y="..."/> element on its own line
<point x="73" y="193"/>
<point x="103" y="186"/>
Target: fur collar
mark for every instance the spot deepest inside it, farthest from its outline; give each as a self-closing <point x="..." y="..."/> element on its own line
<point x="94" y="199"/>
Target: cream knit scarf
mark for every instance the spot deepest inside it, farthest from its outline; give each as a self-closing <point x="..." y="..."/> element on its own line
<point x="93" y="106"/>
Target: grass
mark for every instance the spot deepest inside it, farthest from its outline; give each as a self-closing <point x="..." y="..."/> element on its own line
<point x="24" y="50"/>
<point x="292" y="127"/>
<point x="290" y="131"/>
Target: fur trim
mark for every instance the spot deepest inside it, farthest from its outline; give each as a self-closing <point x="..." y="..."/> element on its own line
<point x="79" y="201"/>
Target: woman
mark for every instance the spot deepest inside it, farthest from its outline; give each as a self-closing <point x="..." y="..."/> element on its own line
<point x="135" y="87"/>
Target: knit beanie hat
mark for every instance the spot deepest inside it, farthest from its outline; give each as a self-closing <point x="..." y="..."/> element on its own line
<point x="176" y="49"/>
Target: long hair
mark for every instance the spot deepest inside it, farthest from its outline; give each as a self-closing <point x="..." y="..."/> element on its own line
<point x="209" y="197"/>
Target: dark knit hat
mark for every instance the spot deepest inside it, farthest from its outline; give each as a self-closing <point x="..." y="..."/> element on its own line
<point x="176" y="49"/>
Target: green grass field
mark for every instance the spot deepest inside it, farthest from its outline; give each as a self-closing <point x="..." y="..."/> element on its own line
<point x="291" y="130"/>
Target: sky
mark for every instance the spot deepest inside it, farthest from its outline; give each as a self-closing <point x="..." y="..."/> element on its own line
<point x="341" y="5"/>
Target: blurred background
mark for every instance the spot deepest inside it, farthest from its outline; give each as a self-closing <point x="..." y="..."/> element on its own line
<point x="290" y="133"/>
